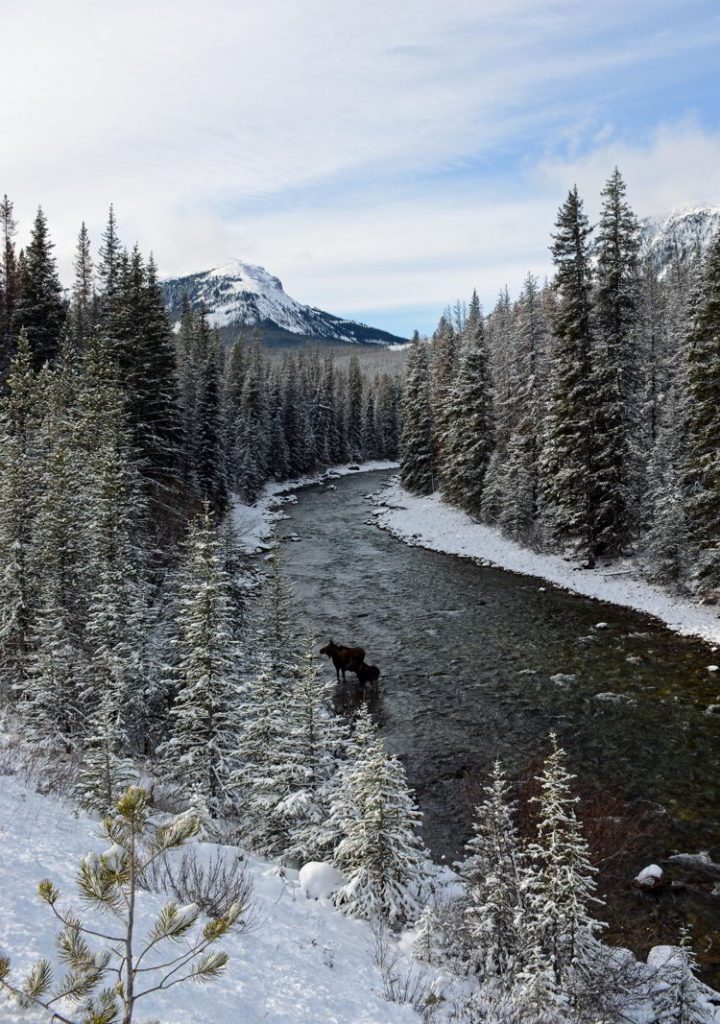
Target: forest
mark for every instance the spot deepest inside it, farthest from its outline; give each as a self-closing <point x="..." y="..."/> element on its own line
<point x="147" y="665"/>
<point x="582" y="417"/>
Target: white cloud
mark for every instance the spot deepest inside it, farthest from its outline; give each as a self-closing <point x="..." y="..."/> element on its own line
<point x="325" y="139"/>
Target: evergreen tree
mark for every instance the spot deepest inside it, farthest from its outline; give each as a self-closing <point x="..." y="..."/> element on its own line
<point x="9" y="283"/>
<point x="701" y="469"/>
<point x="83" y="295"/>
<point x="469" y="436"/>
<point x="679" y="1000"/>
<point x="19" y="495"/>
<point x="444" y="358"/>
<point x="567" y="461"/>
<point x="40" y="310"/>
<point x="274" y="627"/>
<point x="416" y="442"/>
<point x="312" y="741"/>
<point x="203" y="718"/>
<point x="252" y="436"/>
<point x="561" y="892"/>
<point x="493" y="872"/>
<point x="105" y="985"/>
<point x="355" y="393"/>
<point x="379" y="852"/>
<point x="615" y="371"/>
<point x="259" y="783"/>
<point x="519" y="504"/>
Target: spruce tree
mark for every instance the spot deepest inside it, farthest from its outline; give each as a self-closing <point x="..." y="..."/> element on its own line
<point x="19" y="498"/>
<point x="615" y="371"/>
<point x="312" y="742"/>
<point x="567" y="462"/>
<point x="40" y="310"/>
<point x="562" y="889"/>
<point x="380" y="851"/>
<point x="416" y="442"/>
<point x="678" y="999"/>
<point x="9" y="283"/>
<point x="469" y="438"/>
<point x="494" y="872"/>
<point x="82" y="313"/>
<point x="203" y="717"/>
<point x="701" y="469"/>
<point x="259" y="781"/>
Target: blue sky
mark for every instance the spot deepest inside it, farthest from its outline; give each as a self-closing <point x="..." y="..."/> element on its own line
<point x="381" y="159"/>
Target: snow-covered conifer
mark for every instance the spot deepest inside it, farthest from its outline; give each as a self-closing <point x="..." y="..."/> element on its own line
<point x="416" y="442"/>
<point x="203" y="719"/>
<point x="380" y="851"/>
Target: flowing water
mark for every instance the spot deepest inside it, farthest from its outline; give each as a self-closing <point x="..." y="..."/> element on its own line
<point x="478" y="663"/>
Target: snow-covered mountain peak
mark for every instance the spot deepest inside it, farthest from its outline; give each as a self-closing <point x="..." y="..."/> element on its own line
<point x="682" y="233"/>
<point x="244" y="295"/>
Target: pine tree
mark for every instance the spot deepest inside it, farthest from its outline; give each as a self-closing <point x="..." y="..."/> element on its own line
<point x="259" y="783"/>
<point x="679" y="1000"/>
<point x="312" y="741"/>
<point x="416" y="443"/>
<point x="274" y="625"/>
<point x="108" y="984"/>
<point x="469" y="437"/>
<point x="379" y="852"/>
<point x="9" y="283"/>
<point x="19" y="495"/>
<point x="203" y="718"/>
<point x="562" y="890"/>
<point x="355" y="393"/>
<point x="83" y="296"/>
<point x="252" y="436"/>
<point x="666" y="540"/>
<point x="493" y="872"/>
<point x="519" y="504"/>
<point x="104" y="773"/>
<point x="109" y="270"/>
<point x="701" y="469"/>
<point x="444" y="359"/>
<point x="40" y="310"/>
<point x="567" y="466"/>
<point x="615" y="371"/>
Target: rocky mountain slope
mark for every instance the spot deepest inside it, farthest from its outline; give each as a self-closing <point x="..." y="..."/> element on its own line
<point x="242" y="295"/>
<point x="683" y="232"/>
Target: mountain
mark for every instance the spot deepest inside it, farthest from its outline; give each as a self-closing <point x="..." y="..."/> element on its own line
<point x="241" y="295"/>
<point x="683" y="232"/>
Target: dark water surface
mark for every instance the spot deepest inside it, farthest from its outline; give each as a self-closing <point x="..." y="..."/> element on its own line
<point x="468" y="655"/>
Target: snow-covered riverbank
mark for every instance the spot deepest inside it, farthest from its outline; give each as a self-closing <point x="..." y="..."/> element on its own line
<point x="431" y="523"/>
<point x="254" y="523"/>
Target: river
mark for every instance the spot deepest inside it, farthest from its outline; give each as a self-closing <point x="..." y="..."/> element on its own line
<point x="479" y="663"/>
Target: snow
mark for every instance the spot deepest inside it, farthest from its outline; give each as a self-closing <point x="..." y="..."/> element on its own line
<point x="244" y="293"/>
<point x="431" y="523"/>
<point x="650" y="876"/>
<point x="254" y="524"/>
<point x="319" y="880"/>
<point x="301" y="962"/>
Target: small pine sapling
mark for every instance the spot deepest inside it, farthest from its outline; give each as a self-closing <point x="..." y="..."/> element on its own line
<point x="105" y="985"/>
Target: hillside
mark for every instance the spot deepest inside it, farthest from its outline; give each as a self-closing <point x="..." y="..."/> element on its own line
<point x="240" y="295"/>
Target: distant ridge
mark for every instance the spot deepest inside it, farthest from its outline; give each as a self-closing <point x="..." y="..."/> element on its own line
<point x="240" y="295"/>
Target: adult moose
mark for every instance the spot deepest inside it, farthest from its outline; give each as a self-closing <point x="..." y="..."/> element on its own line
<point x="345" y="659"/>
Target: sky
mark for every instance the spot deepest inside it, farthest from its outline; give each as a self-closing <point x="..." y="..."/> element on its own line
<point x="381" y="158"/>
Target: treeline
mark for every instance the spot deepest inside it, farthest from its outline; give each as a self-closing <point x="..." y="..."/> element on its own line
<point x="118" y="439"/>
<point x="585" y="415"/>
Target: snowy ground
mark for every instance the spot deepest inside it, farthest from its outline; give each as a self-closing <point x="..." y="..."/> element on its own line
<point x="302" y="963"/>
<point x="431" y="523"/>
<point x="254" y="523"/>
